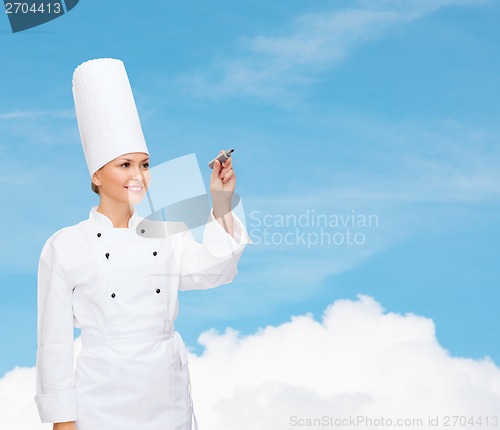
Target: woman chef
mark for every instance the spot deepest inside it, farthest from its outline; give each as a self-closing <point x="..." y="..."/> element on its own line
<point x="110" y="277"/>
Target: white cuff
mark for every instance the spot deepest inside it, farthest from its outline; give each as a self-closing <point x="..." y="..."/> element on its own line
<point x="220" y="242"/>
<point x="57" y="407"/>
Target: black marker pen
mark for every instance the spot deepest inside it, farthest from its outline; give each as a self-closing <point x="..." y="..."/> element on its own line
<point x="222" y="157"/>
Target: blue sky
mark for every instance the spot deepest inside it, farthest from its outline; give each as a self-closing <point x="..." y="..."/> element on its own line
<point x="387" y="108"/>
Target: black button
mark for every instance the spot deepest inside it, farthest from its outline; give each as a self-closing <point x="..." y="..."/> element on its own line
<point x="98" y="234"/>
<point x="113" y="295"/>
<point x="158" y="290"/>
<point x="107" y="255"/>
<point x="142" y="231"/>
<point x="154" y="253"/>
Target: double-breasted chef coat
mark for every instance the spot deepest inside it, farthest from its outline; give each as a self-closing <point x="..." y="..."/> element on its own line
<point x="119" y="286"/>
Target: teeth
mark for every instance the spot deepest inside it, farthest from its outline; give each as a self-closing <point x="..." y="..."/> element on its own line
<point x="135" y="188"/>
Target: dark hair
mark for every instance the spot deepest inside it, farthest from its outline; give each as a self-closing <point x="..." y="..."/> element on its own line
<point x="94" y="188"/>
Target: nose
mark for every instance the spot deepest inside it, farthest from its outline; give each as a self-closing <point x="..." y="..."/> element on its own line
<point x="137" y="175"/>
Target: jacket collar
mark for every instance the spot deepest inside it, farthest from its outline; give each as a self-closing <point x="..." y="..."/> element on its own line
<point x="102" y="219"/>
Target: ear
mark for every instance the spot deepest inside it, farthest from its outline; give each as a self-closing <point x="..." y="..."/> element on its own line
<point x="95" y="179"/>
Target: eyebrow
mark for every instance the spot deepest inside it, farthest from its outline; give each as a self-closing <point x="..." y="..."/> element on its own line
<point x="128" y="159"/>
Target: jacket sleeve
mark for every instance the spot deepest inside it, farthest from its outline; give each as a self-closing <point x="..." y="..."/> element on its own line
<point x="55" y="395"/>
<point x="213" y="262"/>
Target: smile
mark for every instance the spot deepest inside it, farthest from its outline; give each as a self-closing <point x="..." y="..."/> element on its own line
<point x="134" y="189"/>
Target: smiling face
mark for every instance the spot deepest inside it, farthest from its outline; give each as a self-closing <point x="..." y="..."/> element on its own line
<point x="124" y="179"/>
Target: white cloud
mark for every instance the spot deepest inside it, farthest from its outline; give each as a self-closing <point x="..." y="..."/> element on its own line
<point x="416" y="7"/>
<point x="17" y="406"/>
<point x="418" y="162"/>
<point x="357" y="361"/>
<point x="23" y="114"/>
<point x="37" y="130"/>
<point x="270" y="66"/>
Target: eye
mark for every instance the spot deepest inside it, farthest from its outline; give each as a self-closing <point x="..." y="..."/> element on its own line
<point x="127" y="164"/>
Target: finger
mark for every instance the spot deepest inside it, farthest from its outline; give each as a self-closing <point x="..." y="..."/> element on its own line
<point x="228" y="175"/>
<point x="230" y="180"/>
<point x="216" y="169"/>
<point x="224" y="171"/>
<point x="226" y="167"/>
<point x="228" y="163"/>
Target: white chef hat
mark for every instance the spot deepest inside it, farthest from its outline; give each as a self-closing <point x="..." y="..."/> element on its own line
<point x="106" y="112"/>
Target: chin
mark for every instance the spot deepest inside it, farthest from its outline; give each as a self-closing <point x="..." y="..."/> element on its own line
<point x="134" y="199"/>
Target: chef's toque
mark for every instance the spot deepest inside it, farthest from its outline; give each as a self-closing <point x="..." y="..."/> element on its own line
<point x="106" y="112"/>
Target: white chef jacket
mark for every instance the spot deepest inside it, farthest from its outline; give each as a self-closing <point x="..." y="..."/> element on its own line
<point x="119" y="286"/>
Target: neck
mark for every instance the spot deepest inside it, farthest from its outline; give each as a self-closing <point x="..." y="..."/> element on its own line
<point x="118" y="213"/>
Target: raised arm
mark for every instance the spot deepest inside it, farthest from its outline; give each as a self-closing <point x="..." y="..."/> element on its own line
<point x="213" y="262"/>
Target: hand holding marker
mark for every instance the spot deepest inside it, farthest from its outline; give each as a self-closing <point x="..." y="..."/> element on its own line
<point x="222" y="184"/>
<point x="222" y="157"/>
